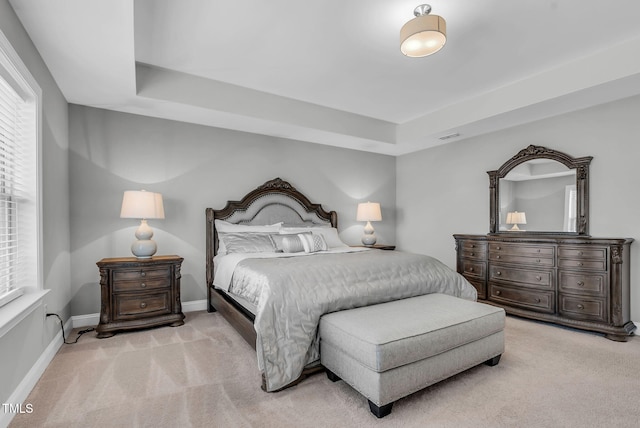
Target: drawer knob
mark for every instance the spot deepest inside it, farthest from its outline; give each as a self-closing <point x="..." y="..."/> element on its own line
<point x="538" y="249"/>
<point x="498" y="292"/>
<point x="473" y="254"/>
<point x="143" y="274"/>
<point x="471" y="269"/>
<point x="498" y="273"/>
<point x="538" y="277"/>
<point x="538" y="261"/>
<point x="538" y="300"/>
<point x="498" y="256"/>
<point x="579" y="253"/>
<point x="581" y="283"/>
<point x="498" y="247"/>
<point x="473" y="245"/>
<point x="143" y="305"/>
<point x="580" y="264"/>
<point x="143" y="285"/>
<point x="580" y="306"/>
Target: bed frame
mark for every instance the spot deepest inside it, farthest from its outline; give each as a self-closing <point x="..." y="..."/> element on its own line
<point x="274" y="201"/>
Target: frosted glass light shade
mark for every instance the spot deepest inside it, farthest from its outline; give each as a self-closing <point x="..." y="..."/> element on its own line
<point x="423" y="35"/>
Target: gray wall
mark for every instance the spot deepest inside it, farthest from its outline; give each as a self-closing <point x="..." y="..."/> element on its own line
<point x="195" y="167"/>
<point x="24" y="344"/>
<point x="445" y="190"/>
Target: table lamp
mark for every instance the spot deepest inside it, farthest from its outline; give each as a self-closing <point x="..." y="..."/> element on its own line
<point x="369" y="211"/>
<point x="515" y="218"/>
<point x="142" y="205"/>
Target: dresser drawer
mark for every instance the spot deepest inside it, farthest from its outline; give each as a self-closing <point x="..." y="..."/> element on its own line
<point x="582" y="253"/>
<point x="522" y="250"/>
<point x="140" y="284"/>
<point x="540" y="301"/>
<point x="577" y="283"/>
<point x="473" y="250"/>
<point x="146" y="273"/>
<point x="134" y="306"/>
<point x="594" y="309"/>
<point x="583" y="264"/>
<point x="528" y="277"/>
<point x="521" y="260"/>
<point x="471" y="268"/>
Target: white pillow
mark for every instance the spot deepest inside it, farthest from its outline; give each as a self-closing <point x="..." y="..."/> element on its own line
<point x="248" y="242"/>
<point x="313" y="243"/>
<point x="330" y="234"/>
<point x="226" y="227"/>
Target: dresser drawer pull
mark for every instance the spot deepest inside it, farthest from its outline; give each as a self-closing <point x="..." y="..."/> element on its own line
<point x="579" y="253"/>
<point x="581" y="283"/>
<point x="498" y="247"/>
<point x="580" y="264"/>
<point x="538" y="277"/>
<point x="471" y="269"/>
<point x="498" y="256"/>
<point x="473" y="245"/>
<point x="538" y="249"/>
<point x="143" y="285"/>
<point x="498" y="292"/>
<point x="538" y="261"/>
<point x="498" y="273"/>
<point x="538" y="300"/>
<point x="143" y="274"/>
<point x="473" y="254"/>
<point x="580" y="306"/>
<point x="143" y="305"/>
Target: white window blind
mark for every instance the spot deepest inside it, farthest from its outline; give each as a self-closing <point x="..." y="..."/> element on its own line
<point x="11" y="160"/>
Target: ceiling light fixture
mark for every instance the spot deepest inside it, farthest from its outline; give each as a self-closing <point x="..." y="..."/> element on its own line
<point x="423" y="35"/>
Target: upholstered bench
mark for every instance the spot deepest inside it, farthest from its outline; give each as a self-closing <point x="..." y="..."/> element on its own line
<point x="390" y="350"/>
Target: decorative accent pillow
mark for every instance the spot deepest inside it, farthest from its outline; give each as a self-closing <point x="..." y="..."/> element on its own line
<point x="330" y="234"/>
<point x="247" y="242"/>
<point x="313" y="243"/>
<point x="278" y="241"/>
<point x="292" y="243"/>
<point x="226" y="227"/>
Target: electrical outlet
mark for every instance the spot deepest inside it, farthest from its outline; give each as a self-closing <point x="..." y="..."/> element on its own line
<point x="45" y="310"/>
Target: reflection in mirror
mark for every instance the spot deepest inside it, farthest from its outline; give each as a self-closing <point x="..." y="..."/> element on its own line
<point x="543" y="194"/>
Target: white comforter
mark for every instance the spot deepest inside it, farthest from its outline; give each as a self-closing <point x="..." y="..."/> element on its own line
<point x="292" y="293"/>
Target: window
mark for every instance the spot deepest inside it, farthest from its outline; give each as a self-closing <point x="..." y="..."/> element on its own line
<point x="19" y="177"/>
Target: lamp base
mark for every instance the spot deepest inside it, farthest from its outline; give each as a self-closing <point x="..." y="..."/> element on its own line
<point x="369" y="237"/>
<point x="144" y="248"/>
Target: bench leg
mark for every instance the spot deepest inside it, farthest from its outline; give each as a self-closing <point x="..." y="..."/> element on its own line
<point x="381" y="411"/>
<point x="493" y="361"/>
<point x="332" y="376"/>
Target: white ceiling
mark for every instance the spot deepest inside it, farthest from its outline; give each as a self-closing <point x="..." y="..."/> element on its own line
<point x="331" y="72"/>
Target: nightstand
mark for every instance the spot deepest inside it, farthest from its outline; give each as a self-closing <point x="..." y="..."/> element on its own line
<point x="378" y="246"/>
<point x="139" y="293"/>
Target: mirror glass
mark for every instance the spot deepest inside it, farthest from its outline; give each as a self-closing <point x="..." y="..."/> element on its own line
<point x="538" y="195"/>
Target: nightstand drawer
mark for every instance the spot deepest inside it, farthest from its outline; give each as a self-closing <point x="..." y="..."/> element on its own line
<point x="131" y="274"/>
<point x="133" y="306"/>
<point x="141" y="284"/>
<point x="582" y="284"/>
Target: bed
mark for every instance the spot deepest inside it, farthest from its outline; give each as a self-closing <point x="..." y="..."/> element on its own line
<point x="275" y="265"/>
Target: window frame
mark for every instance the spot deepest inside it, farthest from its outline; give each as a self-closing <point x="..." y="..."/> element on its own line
<point x="16" y="74"/>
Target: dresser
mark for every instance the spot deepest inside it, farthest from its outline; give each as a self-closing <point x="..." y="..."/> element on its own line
<point x="139" y="293"/>
<point x="575" y="281"/>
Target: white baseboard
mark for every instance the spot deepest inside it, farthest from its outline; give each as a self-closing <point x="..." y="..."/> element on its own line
<point x="29" y="381"/>
<point x="93" y="319"/>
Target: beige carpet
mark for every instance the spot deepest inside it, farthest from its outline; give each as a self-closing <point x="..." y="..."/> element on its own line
<point x="203" y="374"/>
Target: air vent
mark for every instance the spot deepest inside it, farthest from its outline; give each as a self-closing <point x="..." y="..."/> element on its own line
<point x="446" y="137"/>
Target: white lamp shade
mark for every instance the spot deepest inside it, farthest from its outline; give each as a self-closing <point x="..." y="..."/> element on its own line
<point x="516" y="218"/>
<point x="141" y="204"/>
<point x="369" y="211"/>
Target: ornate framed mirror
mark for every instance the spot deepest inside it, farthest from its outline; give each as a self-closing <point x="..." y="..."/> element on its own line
<point x="540" y="191"/>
